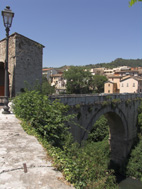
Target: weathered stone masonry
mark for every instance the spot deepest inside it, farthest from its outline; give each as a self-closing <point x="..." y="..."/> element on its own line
<point x="24" y="61"/>
<point x="121" y="112"/>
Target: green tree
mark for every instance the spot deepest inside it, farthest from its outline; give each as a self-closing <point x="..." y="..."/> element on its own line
<point x="97" y="83"/>
<point x="46" y="87"/>
<point x="132" y="2"/>
<point x="48" y="118"/>
<point x="100" y="130"/>
<point x="77" y="80"/>
<point x="134" y="168"/>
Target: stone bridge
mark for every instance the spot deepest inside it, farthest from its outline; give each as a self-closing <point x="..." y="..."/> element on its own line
<point x="121" y="110"/>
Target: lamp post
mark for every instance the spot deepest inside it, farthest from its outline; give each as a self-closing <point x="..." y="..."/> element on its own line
<point x="7" y="15"/>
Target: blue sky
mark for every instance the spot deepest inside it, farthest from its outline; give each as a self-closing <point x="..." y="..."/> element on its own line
<point x="79" y="32"/>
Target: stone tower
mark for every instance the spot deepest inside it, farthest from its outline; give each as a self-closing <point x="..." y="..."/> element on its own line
<point x="24" y="63"/>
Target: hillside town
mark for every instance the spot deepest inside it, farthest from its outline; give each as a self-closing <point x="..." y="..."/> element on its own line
<point x="122" y="79"/>
<point x="25" y="66"/>
<point x="77" y="126"/>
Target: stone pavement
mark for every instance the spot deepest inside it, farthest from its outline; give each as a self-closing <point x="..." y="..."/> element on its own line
<point x="23" y="161"/>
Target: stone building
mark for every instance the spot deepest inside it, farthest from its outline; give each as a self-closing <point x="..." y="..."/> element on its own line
<point x="24" y="63"/>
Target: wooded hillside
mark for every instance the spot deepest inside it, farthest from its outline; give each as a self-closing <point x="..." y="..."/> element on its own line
<point x="118" y="62"/>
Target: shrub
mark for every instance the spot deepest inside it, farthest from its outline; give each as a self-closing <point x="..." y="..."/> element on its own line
<point x="85" y="166"/>
<point x="46" y="117"/>
<point x="99" y="131"/>
<point x="46" y="88"/>
<point x="134" y="167"/>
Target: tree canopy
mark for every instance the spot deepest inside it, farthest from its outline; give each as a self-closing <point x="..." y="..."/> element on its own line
<point x="46" y="87"/>
<point x="97" y="83"/>
<point x="81" y="81"/>
<point x="77" y="80"/>
<point x="132" y="2"/>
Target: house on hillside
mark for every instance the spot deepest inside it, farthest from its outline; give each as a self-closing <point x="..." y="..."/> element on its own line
<point x="110" y="87"/>
<point x="108" y="71"/>
<point x="24" y="63"/>
<point x="127" y="72"/>
<point x="98" y="71"/>
<point x="121" y="73"/>
<point x="55" y="78"/>
<point x="115" y="79"/>
<point x="59" y="82"/>
<point x="45" y="71"/>
<point x="131" y="84"/>
<point x="48" y="72"/>
<point x="140" y="71"/>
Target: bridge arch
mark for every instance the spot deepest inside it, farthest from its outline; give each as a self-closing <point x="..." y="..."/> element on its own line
<point x="118" y="138"/>
<point x="122" y="117"/>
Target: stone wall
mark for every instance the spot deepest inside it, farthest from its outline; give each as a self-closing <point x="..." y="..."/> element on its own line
<point x="12" y="64"/>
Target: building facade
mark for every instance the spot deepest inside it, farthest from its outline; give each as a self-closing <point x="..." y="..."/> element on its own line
<point x="115" y="79"/>
<point x="24" y="63"/>
<point x="110" y="87"/>
<point x="59" y="82"/>
<point x="48" y="72"/>
<point x="131" y="85"/>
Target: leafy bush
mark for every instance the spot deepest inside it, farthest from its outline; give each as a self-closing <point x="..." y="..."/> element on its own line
<point x="134" y="167"/>
<point x="85" y="166"/>
<point x="100" y="130"/>
<point x="46" y="117"/>
<point x="46" y="87"/>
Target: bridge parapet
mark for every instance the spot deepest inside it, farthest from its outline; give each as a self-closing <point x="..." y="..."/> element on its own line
<point x="87" y="99"/>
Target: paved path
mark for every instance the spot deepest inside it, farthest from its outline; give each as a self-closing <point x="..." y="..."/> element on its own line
<point x="23" y="161"/>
